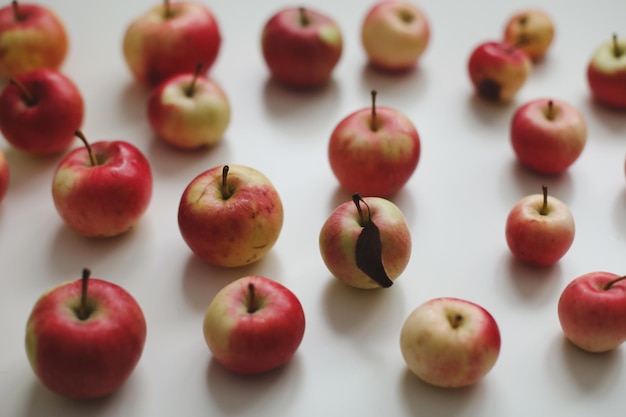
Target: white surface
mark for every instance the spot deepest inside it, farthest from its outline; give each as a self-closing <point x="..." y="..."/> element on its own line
<point x="456" y="203"/>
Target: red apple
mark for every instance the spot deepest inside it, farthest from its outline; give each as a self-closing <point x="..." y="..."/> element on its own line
<point x="301" y="47"/>
<point x="171" y="39"/>
<point x="254" y="325"/>
<point x="539" y="229"/>
<point x="548" y="135"/>
<point x="31" y="37"/>
<point x="394" y="34"/>
<point x="84" y="338"/>
<point x="532" y="30"/>
<point x="366" y="243"/>
<point x="450" y="342"/>
<point x="606" y="73"/>
<point x="189" y="111"/>
<point x="39" y="112"/>
<point x="374" y="151"/>
<point x="102" y="189"/>
<point x="4" y="175"/>
<point x="498" y="70"/>
<point x="592" y="309"/>
<point x="230" y="215"/>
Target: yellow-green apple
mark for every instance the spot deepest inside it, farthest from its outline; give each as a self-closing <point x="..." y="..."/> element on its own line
<point x="102" y="189"/>
<point x="31" y="37"/>
<point x="84" y="338"/>
<point x="450" y="342"/>
<point x="171" y="39"/>
<point x="301" y="47"/>
<point x="531" y="30"/>
<point x="394" y="34"/>
<point x="548" y="135"/>
<point x="606" y="73"/>
<point x="189" y="111"/>
<point x="374" y="151"/>
<point x="366" y="242"/>
<point x="253" y="325"/>
<point x="5" y="175"/>
<point x="230" y="215"/>
<point x="592" y="309"/>
<point x="40" y="110"/>
<point x="498" y="70"/>
<point x="539" y="229"/>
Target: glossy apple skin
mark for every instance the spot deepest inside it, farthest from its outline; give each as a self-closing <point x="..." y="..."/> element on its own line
<point x="157" y="47"/>
<point x="299" y="55"/>
<point x="88" y="358"/>
<point x="536" y="239"/>
<point x="47" y="125"/>
<point x="254" y="342"/>
<point x="104" y="200"/>
<point x="548" y="141"/>
<point x="445" y="352"/>
<point x="340" y="231"/>
<point x="532" y="30"/>
<point x="606" y="75"/>
<point x="5" y="175"/>
<point x="374" y="162"/>
<point x="591" y="316"/>
<point x="394" y="35"/>
<point x="38" y="39"/>
<point x="233" y="231"/>
<point x="189" y="121"/>
<point x="498" y="70"/>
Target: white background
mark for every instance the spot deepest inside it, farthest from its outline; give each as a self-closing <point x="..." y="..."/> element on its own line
<point x="456" y="203"/>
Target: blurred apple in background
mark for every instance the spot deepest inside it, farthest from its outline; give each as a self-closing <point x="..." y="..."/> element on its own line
<point x="592" y="309"/>
<point x="230" y="215"/>
<point x="170" y="39"/>
<point x="548" y="135"/>
<point x="4" y="175"/>
<point x="450" y="342"/>
<point x="532" y="31"/>
<point x="254" y="325"/>
<point x="102" y="189"/>
<point x="189" y="111"/>
<point x="394" y="34"/>
<point x="539" y="229"/>
<point x="85" y="337"/>
<point x="374" y="151"/>
<point x="606" y="73"/>
<point x="40" y="110"/>
<point x="301" y="47"/>
<point x="31" y="37"/>
<point x="498" y="70"/>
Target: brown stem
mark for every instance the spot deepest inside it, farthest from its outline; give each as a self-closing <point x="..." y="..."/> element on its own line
<point x="304" y="17"/>
<point x="373" y="124"/>
<point x="168" y="9"/>
<point x="455" y="321"/>
<point x="92" y="156"/>
<point x="225" y="190"/>
<point x="196" y="74"/>
<point x="550" y="113"/>
<point x="83" y="310"/>
<point x="544" y="207"/>
<point x="615" y="281"/>
<point x="16" y="11"/>
<point x="357" y="199"/>
<point x="252" y="302"/>
<point x="617" y="51"/>
<point x="26" y="95"/>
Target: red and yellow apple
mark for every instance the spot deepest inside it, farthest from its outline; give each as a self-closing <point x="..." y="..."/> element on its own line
<point x="606" y="73"/>
<point x="532" y="31"/>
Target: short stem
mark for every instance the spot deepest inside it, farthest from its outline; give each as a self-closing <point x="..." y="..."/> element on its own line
<point x="544" y="207"/>
<point x="617" y="51"/>
<point x="550" y="114"/>
<point x="92" y="157"/>
<point x="225" y="190"/>
<point x="304" y="17"/>
<point x="373" y="124"/>
<point x="83" y="311"/>
<point x="196" y="74"/>
<point x="455" y="321"/>
<point x="168" y="10"/>
<point x="16" y="11"/>
<point x="252" y="307"/>
<point x="357" y="199"/>
<point x="615" y="281"/>
<point x="27" y="95"/>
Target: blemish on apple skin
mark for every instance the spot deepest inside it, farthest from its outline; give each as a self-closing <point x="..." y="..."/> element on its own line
<point x="489" y="89"/>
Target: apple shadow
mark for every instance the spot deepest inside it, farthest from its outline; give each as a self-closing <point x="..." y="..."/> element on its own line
<point x="529" y="182"/>
<point x="619" y="212"/>
<point x="402" y="88"/>
<point x="610" y="118"/>
<point x="26" y="169"/>
<point x="532" y="284"/>
<point x="133" y="102"/>
<point x="491" y="112"/>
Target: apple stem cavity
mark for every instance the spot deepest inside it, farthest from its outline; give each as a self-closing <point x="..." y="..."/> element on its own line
<point x="83" y="310"/>
<point x="544" y="207"/>
<point x="253" y="304"/>
<point x="196" y="74"/>
<point x="617" y="51"/>
<point x="304" y="17"/>
<point x="615" y="281"/>
<point x="92" y="156"/>
<point x="455" y="320"/>
<point x="226" y="191"/>
<point x="168" y="10"/>
<point x="374" y="124"/>
<point x="550" y="113"/>
<point x="26" y="95"/>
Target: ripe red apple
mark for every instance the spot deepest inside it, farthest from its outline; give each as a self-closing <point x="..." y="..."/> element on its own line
<point x="532" y="30"/>
<point x="84" y="338"/>
<point x="301" y="47"/>
<point x="31" y="37"/>
<point x="539" y="229"/>
<point x="39" y="112"/>
<point x="592" y="309"/>
<point x="374" y="151"/>
<point x="102" y="189"/>
<point x="171" y="39"/>
<point x="230" y="215"/>
<point x="394" y="34"/>
<point x="253" y="325"/>
<point x="189" y="111"/>
<point x="4" y="175"/>
<point x="606" y="73"/>
<point x="498" y="70"/>
<point x="450" y="342"/>
<point x="366" y="243"/>
<point x="548" y="135"/>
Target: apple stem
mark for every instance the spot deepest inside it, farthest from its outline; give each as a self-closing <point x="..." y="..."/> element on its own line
<point x="617" y="51"/>
<point x="92" y="157"/>
<point x="226" y="193"/>
<point x="26" y="95"/>
<point x="83" y="311"/>
<point x="252" y="302"/>
<point x="455" y="321"/>
<point x="357" y="199"/>
<point x="196" y="74"/>
<point x="16" y="11"/>
<point x="168" y="9"/>
<point x="550" y="114"/>
<point x="304" y="17"/>
<point x="544" y="207"/>
<point x="373" y="124"/>
<point x="615" y="281"/>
